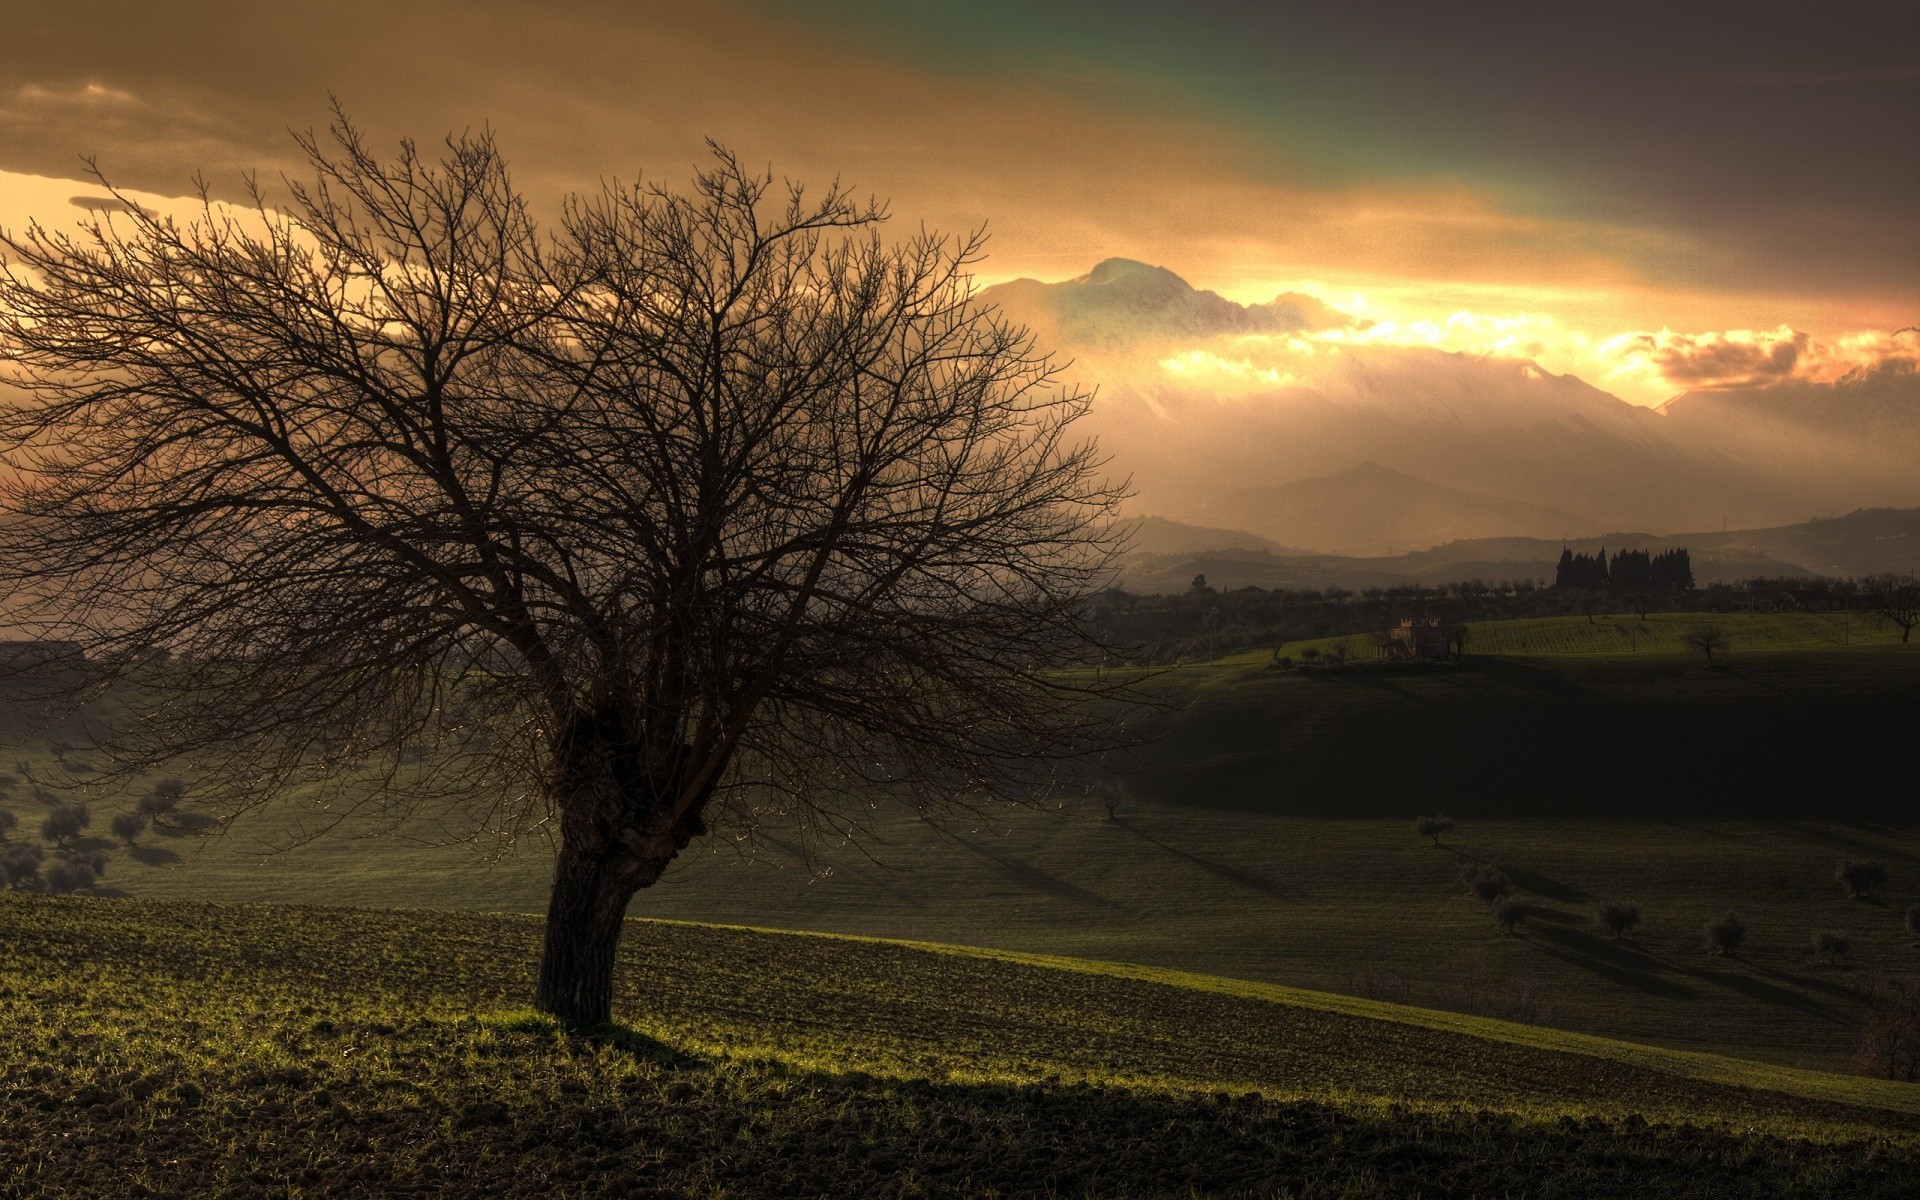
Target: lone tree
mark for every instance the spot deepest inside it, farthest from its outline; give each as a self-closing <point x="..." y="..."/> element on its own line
<point x="1434" y="827"/>
<point x="694" y="509"/>
<point x="1895" y="599"/>
<point x="1832" y="944"/>
<point x="1709" y="640"/>
<point x="1724" y="934"/>
<point x="1619" y="919"/>
<point x="1860" y="878"/>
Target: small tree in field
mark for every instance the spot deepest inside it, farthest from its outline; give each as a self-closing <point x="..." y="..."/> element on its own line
<point x="1832" y="944"/>
<point x="1913" y="919"/>
<point x="128" y="826"/>
<point x="1895" y="599"/>
<point x="65" y="823"/>
<point x="1511" y="913"/>
<point x="1889" y="1045"/>
<point x="1708" y="640"/>
<point x="1724" y="934"/>
<point x="1433" y="827"/>
<point x="1619" y="919"/>
<point x="20" y="866"/>
<point x="1861" y="878"/>
<point x="1487" y="883"/>
<point x="162" y="801"/>
<point x="701" y="508"/>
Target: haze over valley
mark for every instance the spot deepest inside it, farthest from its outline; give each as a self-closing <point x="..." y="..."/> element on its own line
<point x="1286" y="421"/>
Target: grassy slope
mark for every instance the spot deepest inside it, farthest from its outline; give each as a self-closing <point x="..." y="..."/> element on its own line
<point x="162" y="1049"/>
<point x="1266" y="838"/>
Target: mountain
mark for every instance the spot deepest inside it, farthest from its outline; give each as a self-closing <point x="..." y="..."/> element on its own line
<point x="1122" y="303"/>
<point x="1348" y="511"/>
<point x="1201" y="399"/>
<point x="1157" y="535"/>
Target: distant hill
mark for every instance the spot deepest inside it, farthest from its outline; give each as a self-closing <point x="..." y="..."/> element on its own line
<point x="1348" y="511"/>
<point x="1157" y="535"/>
<point x="1866" y="542"/>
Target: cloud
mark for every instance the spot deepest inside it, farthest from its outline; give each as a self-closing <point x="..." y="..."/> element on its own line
<point x="1743" y="358"/>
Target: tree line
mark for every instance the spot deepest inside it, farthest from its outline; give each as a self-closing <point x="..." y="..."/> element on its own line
<point x="1630" y="572"/>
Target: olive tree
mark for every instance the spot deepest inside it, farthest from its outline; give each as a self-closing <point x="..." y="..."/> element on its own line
<point x="687" y="509"/>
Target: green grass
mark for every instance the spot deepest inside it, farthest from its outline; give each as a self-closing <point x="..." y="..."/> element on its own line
<point x="1619" y="634"/>
<point x="1266" y="836"/>
<point x="168" y="1049"/>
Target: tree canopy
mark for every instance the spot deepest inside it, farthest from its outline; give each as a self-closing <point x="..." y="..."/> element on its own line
<point x="696" y="509"/>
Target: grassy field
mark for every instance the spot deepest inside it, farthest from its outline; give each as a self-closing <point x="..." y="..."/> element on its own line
<point x="1656" y="634"/>
<point x="1265" y="835"/>
<point x="170" y="1049"/>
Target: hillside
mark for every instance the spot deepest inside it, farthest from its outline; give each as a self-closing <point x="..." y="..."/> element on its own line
<point x="1262" y="834"/>
<point x="1864" y="542"/>
<point x="1345" y="512"/>
<point x="254" y="1051"/>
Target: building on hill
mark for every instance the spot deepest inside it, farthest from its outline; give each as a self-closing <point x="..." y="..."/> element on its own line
<point x="1418" y="639"/>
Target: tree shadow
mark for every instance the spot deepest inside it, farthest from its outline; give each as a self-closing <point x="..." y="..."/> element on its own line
<point x="1755" y="988"/>
<point x="1611" y="961"/>
<point x="635" y="1044"/>
<point x="179" y="824"/>
<point x="1839" y="991"/>
<point x="1553" y="916"/>
<point x="152" y="856"/>
<point x="1374" y="681"/>
<point x="1535" y="682"/>
<point x="1232" y="874"/>
<point x="1552" y="889"/>
<point x="1035" y="878"/>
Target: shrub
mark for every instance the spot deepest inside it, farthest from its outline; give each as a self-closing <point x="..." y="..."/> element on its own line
<point x="1832" y="944"/>
<point x="1510" y="913"/>
<point x="8" y="823"/>
<point x="1861" y="877"/>
<point x="20" y="866"/>
<point x="1617" y="919"/>
<point x="1488" y="883"/>
<point x="129" y="825"/>
<point x="64" y="876"/>
<point x="1889" y="1045"/>
<point x="66" y="822"/>
<point x="1913" y="919"/>
<point x="1725" y="933"/>
<point x="1433" y="827"/>
<point x="1310" y="654"/>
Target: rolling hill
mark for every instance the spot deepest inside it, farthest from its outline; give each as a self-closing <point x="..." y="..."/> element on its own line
<point x="1262" y="833"/>
<point x="156" y="1049"/>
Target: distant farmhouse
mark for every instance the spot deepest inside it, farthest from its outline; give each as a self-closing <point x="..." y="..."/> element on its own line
<point x="1418" y="639"/>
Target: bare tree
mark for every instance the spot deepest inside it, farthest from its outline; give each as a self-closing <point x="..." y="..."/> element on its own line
<point x="1709" y="640"/>
<point x="1889" y="1045"/>
<point x="1433" y="827"/>
<point x="701" y="509"/>
<point x="1895" y="599"/>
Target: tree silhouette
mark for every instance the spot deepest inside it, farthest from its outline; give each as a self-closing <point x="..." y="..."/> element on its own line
<point x="702" y="508"/>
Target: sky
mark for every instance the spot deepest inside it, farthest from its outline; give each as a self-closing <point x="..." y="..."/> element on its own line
<point x="1692" y="193"/>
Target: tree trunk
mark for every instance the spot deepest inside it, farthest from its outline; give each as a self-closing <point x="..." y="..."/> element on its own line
<point x="584" y="916"/>
<point x="618" y="833"/>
